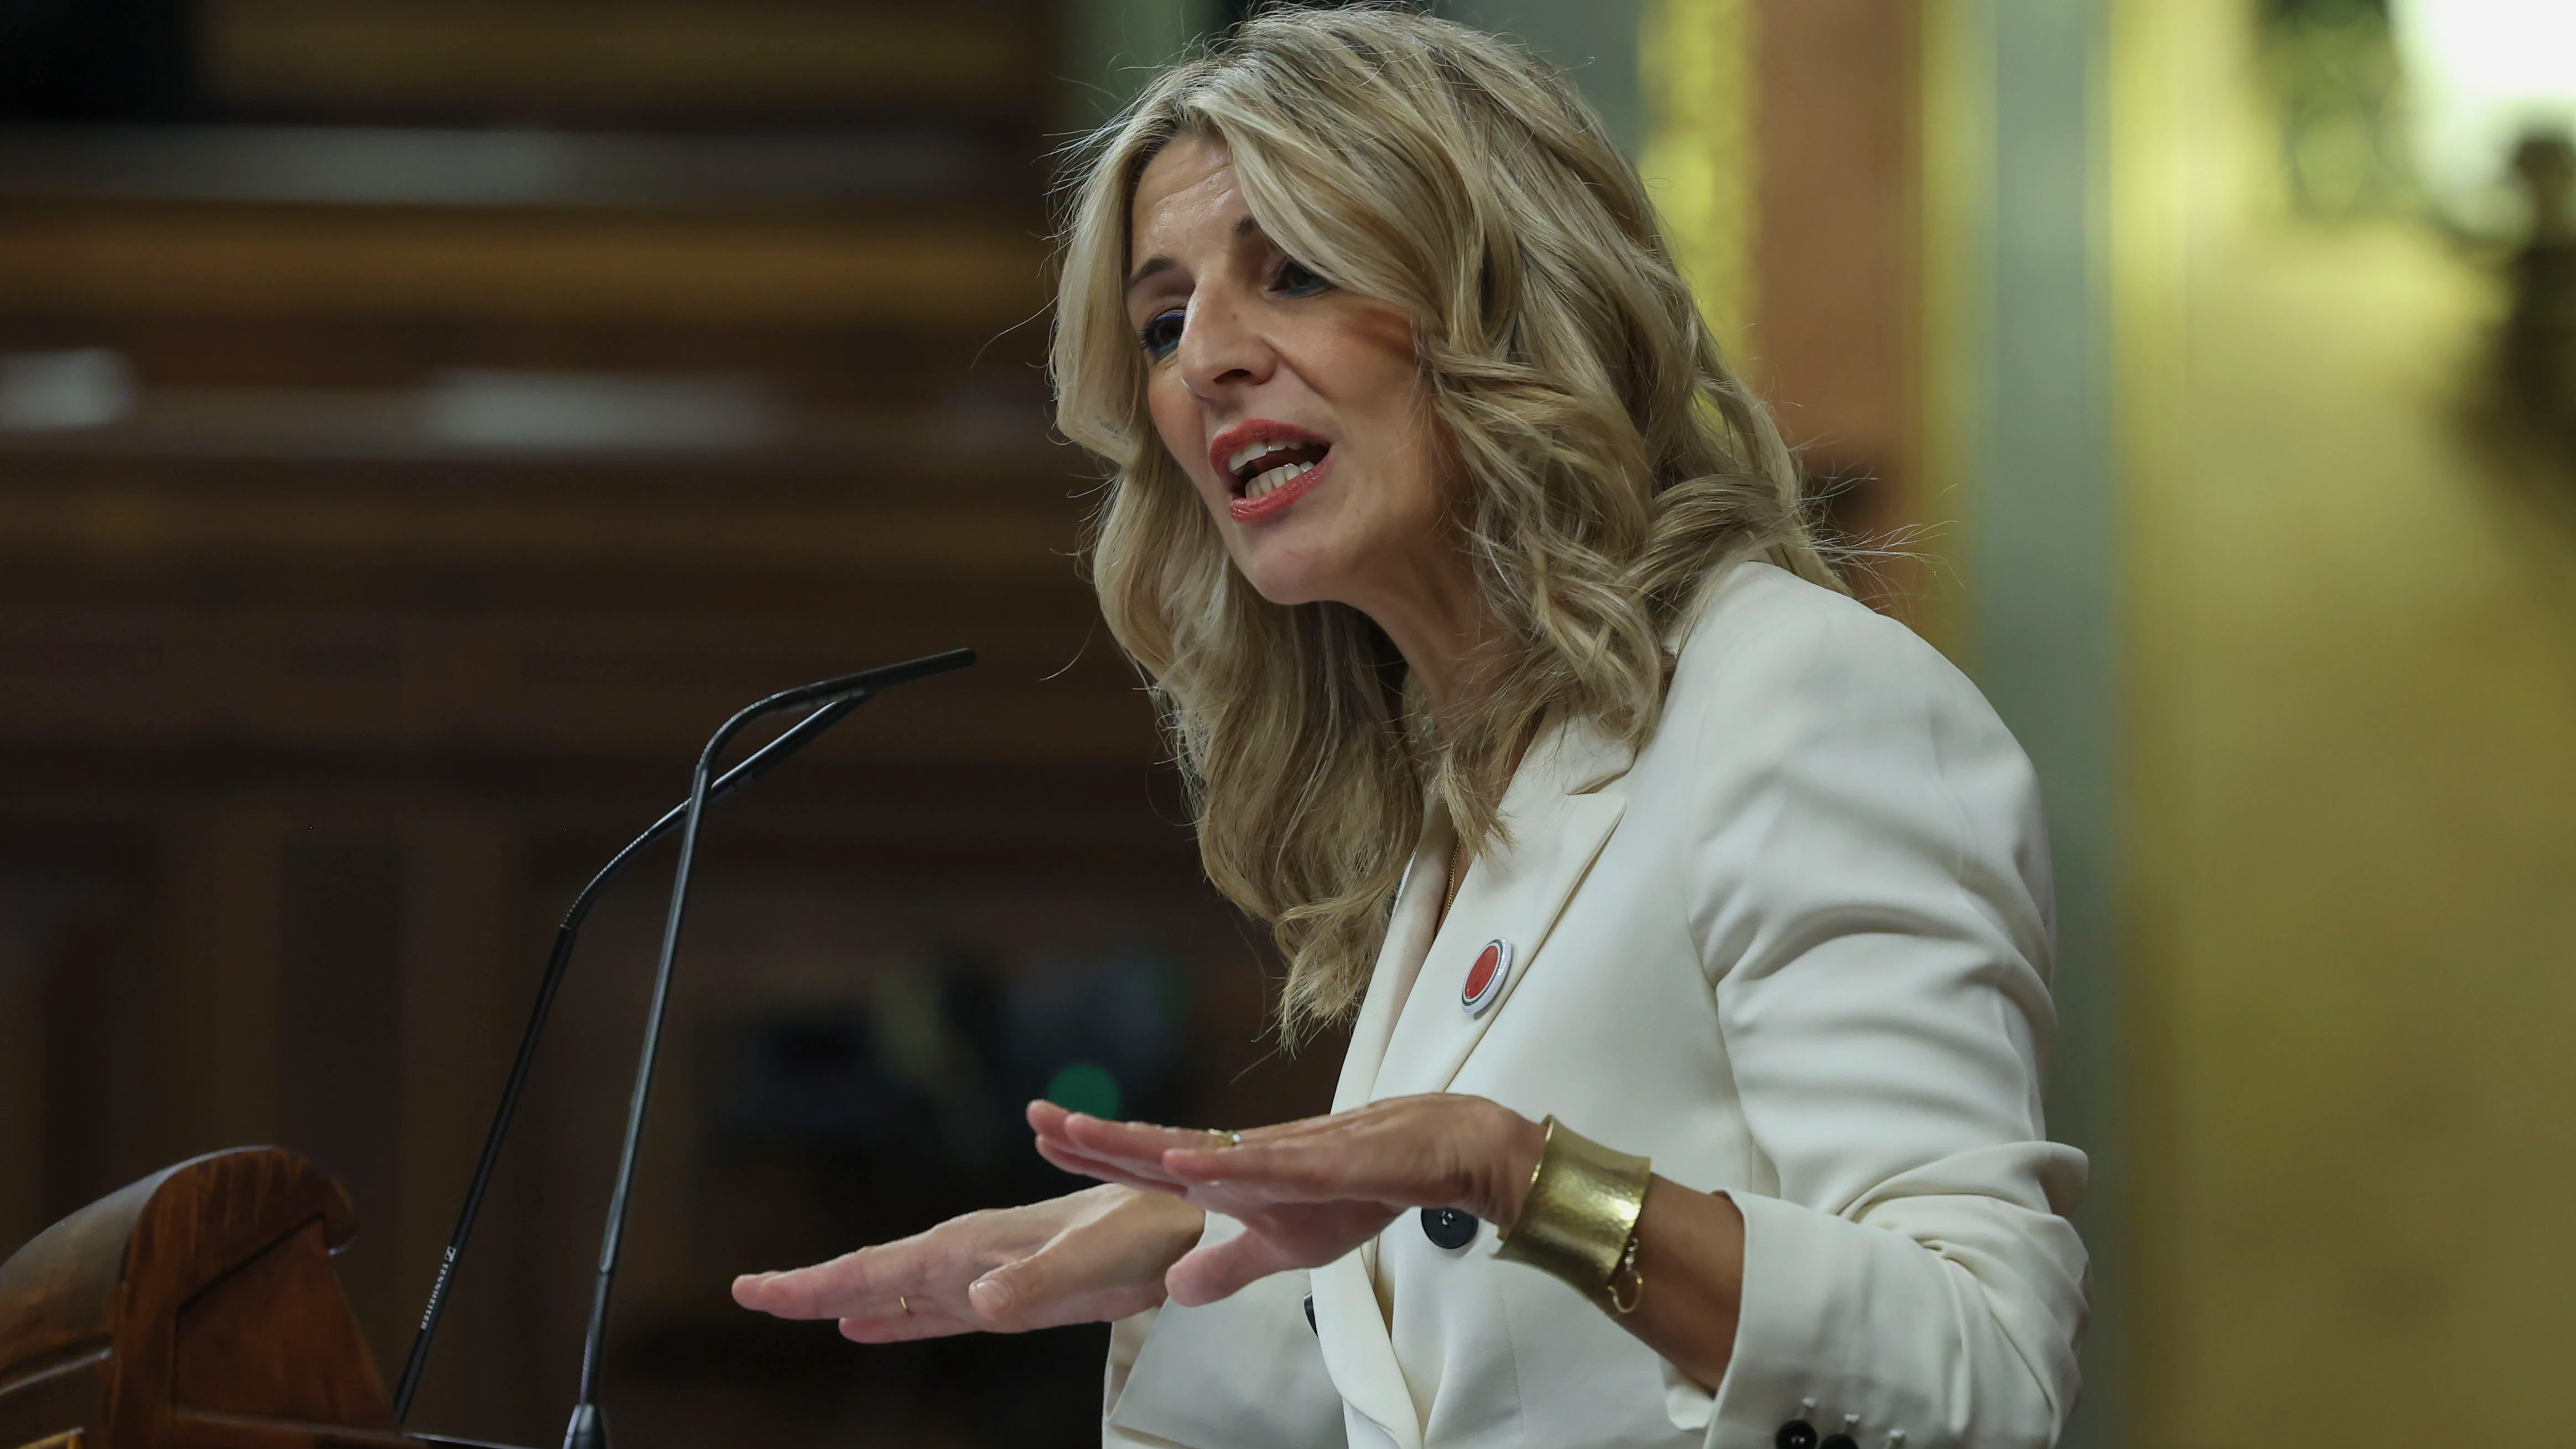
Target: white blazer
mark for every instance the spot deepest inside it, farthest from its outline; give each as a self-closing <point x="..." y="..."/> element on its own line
<point x="1797" y="952"/>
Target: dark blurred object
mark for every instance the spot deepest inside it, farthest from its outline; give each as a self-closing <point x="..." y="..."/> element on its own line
<point x="1102" y="1035"/>
<point x="2333" y="70"/>
<point x="877" y="1116"/>
<point x="918" y="1088"/>
<point x="2540" y="334"/>
<point x="97" y="60"/>
<point x="501" y="166"/>
<point x="478" y="62"/>
<point x="611" y="62"/>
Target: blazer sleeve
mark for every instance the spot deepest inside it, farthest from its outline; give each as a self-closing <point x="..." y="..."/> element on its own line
<point x="1240" y="1373"/>
<point x="1872" y="909"/>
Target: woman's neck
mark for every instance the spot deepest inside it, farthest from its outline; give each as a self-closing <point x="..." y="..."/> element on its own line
<point x="1436" y="619"/>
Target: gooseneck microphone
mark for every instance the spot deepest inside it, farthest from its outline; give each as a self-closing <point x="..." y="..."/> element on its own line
<point x="831" y="699"/>
<point x="588" y="1430"/>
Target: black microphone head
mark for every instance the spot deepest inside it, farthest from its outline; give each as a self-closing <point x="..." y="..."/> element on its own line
<point x="869" y="681"/>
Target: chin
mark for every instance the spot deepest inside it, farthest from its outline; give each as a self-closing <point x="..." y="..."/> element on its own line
<point x="1287" y="592"/>
<point x="1286" y="582"/>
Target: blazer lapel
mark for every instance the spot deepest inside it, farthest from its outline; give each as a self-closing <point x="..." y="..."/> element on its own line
<point x="1358" y="1354"/>
<point x="1559" y="816"/>
<point x="1411" y="1035"/>
<point x="1352" y="1331"/>
<point x="1408" y="935"/>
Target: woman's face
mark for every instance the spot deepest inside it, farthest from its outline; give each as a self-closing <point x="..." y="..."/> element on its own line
<point x="1295" y="408"/>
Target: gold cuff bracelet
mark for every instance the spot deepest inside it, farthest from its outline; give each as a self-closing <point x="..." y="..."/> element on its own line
<point x="1579" y="1217"/>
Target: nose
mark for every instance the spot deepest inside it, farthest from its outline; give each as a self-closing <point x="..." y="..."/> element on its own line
<point x="1220" y="350"/>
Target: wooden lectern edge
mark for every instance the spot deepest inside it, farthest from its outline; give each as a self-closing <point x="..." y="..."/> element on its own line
<point x="29" y="1376"/>
<point x="247" y="1432"/>
<point x="195" y="1309"/>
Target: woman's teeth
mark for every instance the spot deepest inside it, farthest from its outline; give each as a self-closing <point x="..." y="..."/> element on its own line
<point x="1251" y="453"/>
<point x="1261" y="466"/>
<point x="1272" y="478"/>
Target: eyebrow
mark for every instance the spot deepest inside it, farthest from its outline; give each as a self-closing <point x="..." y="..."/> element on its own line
<point x="1151" y="268"/>
<point x="1249" y="225"/>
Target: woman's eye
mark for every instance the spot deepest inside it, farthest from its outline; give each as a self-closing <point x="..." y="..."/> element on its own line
<point x="1162" y="334"/>
<point x="1295" y="279"/>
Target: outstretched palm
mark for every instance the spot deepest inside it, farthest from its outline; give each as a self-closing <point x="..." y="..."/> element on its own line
<point x="1084" y="1258"/>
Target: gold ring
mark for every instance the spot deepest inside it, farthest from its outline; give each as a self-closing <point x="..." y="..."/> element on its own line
<point x="904" y="1303"/>
<point x="1232" y="1139"/>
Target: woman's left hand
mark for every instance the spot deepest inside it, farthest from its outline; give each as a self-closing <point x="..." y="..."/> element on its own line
<point x="1307" y="1192"/>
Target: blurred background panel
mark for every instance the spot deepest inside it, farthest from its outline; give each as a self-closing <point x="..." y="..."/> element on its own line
<point x="419" y="425"/>
<point x="2249" y="333"/>
<point x="421" y="421"/>
<point x="606" y="60"/>
<point x="2342" y="273"/>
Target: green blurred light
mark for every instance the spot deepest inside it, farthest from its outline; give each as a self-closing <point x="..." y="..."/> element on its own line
<point x="1085" y="1087"/>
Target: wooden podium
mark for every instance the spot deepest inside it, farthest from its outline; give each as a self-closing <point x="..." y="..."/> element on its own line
<point x="196" y="1309"/>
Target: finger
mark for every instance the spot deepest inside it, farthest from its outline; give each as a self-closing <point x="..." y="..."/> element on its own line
<point x="850" y="1283"/>
<point x="1065" y="1154"/>
<point x="906" y="1327"/>
<point x="1016" y="1297"/>
<point x="1143" y="1141"/>
<point x="1281" y="1163"/>
<point x="1116" y="1172"/>
<point x="1320" y="1169"/>
<point x="1223" y="1269"/>
<point x="1092" y="1263"/>
<point x="1135" y="1172"/>
<point x="1054" y="1124"/>
<point x="1145" y="1164"/>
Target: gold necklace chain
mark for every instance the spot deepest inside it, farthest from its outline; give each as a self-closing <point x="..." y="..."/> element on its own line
<point x="1457" y="873"/>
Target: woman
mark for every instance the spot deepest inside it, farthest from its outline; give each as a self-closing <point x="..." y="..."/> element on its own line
<point x="1696" y="918"/>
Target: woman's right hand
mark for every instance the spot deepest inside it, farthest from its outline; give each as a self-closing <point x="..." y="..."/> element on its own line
<point x="1087" y="1257"/>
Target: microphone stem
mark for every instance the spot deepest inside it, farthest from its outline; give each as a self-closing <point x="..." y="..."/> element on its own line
<point x="614" y="1236"/>
<point x="763" y="760"/>
<point x="588" y="1430"/>
<point x="831" y="699"/>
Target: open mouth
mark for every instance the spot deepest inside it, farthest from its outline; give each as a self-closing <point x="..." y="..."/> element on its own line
<point x="1269" y="465"/>
<point x="1259" y="468"/>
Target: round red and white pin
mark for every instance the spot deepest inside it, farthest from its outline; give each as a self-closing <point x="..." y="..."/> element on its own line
<point x="1485" y="979"/>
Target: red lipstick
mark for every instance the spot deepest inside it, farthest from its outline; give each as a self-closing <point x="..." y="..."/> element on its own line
<point x="1243" y="453"/>
<point x="1277" y="500"/>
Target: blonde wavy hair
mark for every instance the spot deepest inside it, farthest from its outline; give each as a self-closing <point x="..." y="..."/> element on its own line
<point x="1611" y="460"/>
